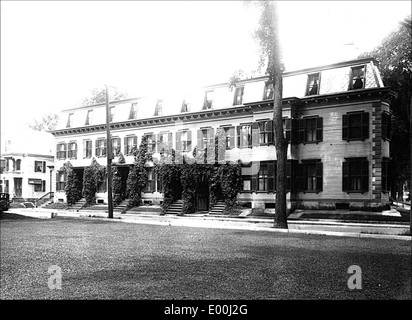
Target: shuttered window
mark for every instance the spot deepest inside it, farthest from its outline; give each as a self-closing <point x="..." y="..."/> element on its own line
<point x="355" y="175"/>
<point x="87" y="149"/>
<point x="61" y="151"/>
<point x="310" y="176"/>
<point x="164" y="141"/>
<point x="100" y="148"/>
<point x="386" y="126"/>
<point x="244" y="136"/>
<point x="72" y="154"/>
<point x="205" y="138"/>
<point x="310" y="130"/>
<point x="151" y="181"/>
<point x="130" y="145"/>
<point x="184" y="141"/>
<point x="265" y="132"/>
<point x="355" y="126"/>
<point x="116" y="142"/>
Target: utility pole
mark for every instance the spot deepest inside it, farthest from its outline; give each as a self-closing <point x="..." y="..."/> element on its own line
<point x="109" y="156"/>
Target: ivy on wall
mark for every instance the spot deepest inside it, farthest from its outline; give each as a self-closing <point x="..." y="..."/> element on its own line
<point x="117" y="189"/>
<point x="93" y="175"/>
<point x="73" y="185"/>
<point x="230" y="179"/>
<point x="137" y="178"/>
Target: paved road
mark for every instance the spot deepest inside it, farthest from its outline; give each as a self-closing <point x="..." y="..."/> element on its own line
<point x="114" y="260"/>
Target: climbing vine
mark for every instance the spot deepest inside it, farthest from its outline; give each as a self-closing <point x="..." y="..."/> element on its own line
<point x="117" y="187"/>
<point x="230" y="177"/>
<point x="137" y="178"/>
<point x="93" y="175"/>
<point x="73" y="185"/>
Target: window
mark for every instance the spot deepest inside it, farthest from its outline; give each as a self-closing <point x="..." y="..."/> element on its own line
<point x="72" y="154"/>
<point x="4" y="166"/>
<point x="268" y="92"/>
<point x="265" y="132"/>
<point x="357" y="78"/>
<point x="310" y="176"/>
<point x="133" y="111"/>
<point x="60" y="180"/>
<point x="244" y="136"/>
<point x="355" y="126"/>
<point x="310" y="130"/>
<point x="18" y="165"/>
<point x="112" y="111"/>
<point x="385" y="175"/>
<point x="386" y="126"/>
<point x="205" y="138"/>
<point x="130" y="145"/>
<point x="208" y="102"/>
<point x="69" y="120"/>
<point x="238" y="96"/>
<point x="184" y="141"/>
<point x="159" y="108"/>
<point x="355" y="176"/>
<point x="151" y="142"/>
<point x="40" y="166"/>
<point x="313" y="84"/>
<point x="41" y="187"/>
<point x="102" y="185"/>
<point x="115" y="147"/>
<point x="151" y="181"/>
<point x="89" y="117"/>
<point x="87" y="148"/>
<point x="185" y="106"/>
<point x="229" y="137"/>
<point x="164" y="141"/>
<point x="259" y="176"/>
<point x="101" y="148"/>
<point x="61" y="151"/>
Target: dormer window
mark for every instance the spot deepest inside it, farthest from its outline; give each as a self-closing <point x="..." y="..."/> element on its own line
<point x="313" y="84"/>
<point x="69" y="120"/>
<point x="185" y="106"/>
<point x="268" y="93"/>
<point x="133" y="111"/>
<point x="357" y="78"/>
<point x="238" y="96"/>
<point x="207" y="104"/>
<point x="159" y="108"/>
<point x="89" y="117"/>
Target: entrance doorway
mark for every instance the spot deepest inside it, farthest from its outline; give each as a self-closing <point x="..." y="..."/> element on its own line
<point x="18" y="187"/>
<point x="202" y="197"/>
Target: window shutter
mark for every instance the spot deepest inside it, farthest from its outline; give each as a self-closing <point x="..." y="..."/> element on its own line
<point x="319" y="176"/>
<point x="365" y="175"/>
<point x="232" y="137"/>
<point x="238" y="136"/>
<point x="254" y="177"/>
<point x="301" y="177"/>
<point x="179" y="141"/>
<point x="345" y="129"/>
<point x="170" y="140"/>
<point x="189" y="139"/>
<point x="271" y="175"/>
<point x="126" y="151"/>
<point x="200" y="145"/>
<point x="345" y="176"/>
<point x="269" y="128"/>
<point x="288" y="129"/>
<point x="288" y="176"/>
<point x="44" y="166"/>
<point x="255" y="134"/>
<point x="134" y="143"/>
<point x="97" y="148"/>
<point x="319" y="129"/>
<point x="211" y="136"/>
<point x="302" y="124"/>
<point x="365" y="125"/>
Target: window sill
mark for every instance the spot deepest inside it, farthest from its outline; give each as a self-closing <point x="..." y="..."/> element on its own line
<point x="310" y="142"/>
<point x="355" y="139"/>
<point x="311" y="191"/>
<point x="356" y="191"/>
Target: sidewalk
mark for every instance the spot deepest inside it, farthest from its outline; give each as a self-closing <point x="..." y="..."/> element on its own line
<point x="364" y="229"/>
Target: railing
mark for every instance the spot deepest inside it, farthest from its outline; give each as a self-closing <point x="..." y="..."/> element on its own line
<point x="400" y="203"/>
<point x="44" y="198"/>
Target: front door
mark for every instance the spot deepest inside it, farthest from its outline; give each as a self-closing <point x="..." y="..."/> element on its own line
<point x="202" y="197"/>
<point x="18" y="185"/>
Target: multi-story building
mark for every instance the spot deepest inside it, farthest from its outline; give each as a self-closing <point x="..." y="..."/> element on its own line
<point x="337" y="120"/>
<point x="26" y="164"/>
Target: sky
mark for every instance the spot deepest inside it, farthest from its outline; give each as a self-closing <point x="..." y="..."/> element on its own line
<point x="53" y="53"/>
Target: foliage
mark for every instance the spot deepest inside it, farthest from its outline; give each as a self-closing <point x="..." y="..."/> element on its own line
<point x="117" y="189"/>
<point x="230" y="178"/>
<point x="73" y="185"/>
<point x="93" y="175"/>
<point x="98" y="95"/>
<point x="121" y="159"/>
<point x="137" y="178"/>
<point x="394" y="55"/>
<point x="45" y="122"/>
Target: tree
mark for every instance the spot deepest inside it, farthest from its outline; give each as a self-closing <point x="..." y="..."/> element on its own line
<point x="394" y="55"/>
<point x="46" y="122"/>
<point x="267" y="36"/>
<point x="73" y="185"/>
<point x="98" y="95"/>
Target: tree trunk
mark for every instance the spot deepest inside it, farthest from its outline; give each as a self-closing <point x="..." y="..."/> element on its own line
<point x="281" y="145"/>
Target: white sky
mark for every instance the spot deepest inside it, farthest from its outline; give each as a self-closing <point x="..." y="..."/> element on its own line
<point x="54" y="52"/>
